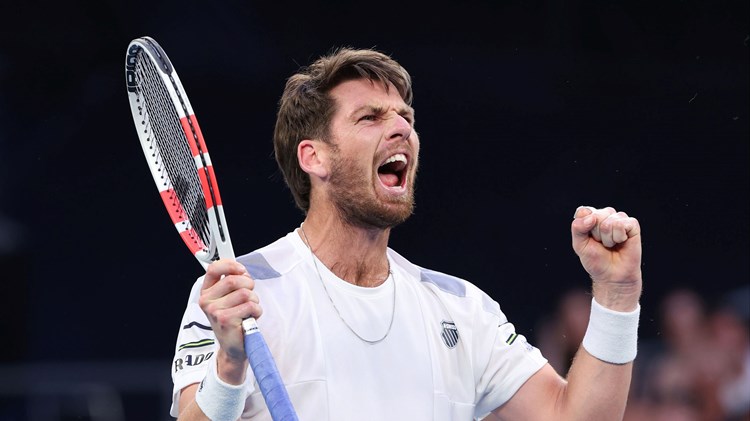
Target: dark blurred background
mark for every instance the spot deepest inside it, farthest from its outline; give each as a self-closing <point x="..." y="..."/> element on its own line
<point x="526" y="109"/>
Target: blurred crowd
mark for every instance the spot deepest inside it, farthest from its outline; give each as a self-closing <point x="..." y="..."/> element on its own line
<point x="695" y="367"/>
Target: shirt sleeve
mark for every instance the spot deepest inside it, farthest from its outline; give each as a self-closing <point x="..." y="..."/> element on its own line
<point x="512" y="361"/>
<point x="195" y="347"/>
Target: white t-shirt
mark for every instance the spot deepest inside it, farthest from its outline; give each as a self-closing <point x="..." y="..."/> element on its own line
<point x="450" y="354"/>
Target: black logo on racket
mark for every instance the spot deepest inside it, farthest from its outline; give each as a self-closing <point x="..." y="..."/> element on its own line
<point x="130" y="68"/>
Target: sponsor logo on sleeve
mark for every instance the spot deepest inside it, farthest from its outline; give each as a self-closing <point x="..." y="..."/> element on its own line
<point x="195" y="354"/>
<point x="191" y="360"/>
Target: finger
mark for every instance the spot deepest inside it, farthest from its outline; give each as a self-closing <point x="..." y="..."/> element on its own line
<point x="608" y="229"/>
<point x="239" y="297"/>
<point x="232" y="317"/>
<point x="582" y="221"/>
<point x="581" y="228"/>
<point x="631" y="228"/>
<point x="251" y="309"/>
<point x="246" y="303"/>
<point x="583" y="211"/>
<point x="220" y="268"/>
<point x="238" y="304"/>
<point x="601" y="215"/>
<point x="227" y="285"/>
<point x="620" y="225"/>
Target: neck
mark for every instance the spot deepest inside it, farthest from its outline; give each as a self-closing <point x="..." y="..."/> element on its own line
<point x="354" y="254"/>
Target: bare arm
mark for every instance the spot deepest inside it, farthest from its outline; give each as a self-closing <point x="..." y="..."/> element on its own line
<point x="189" y="410"/>
<point x="609" y="247"/>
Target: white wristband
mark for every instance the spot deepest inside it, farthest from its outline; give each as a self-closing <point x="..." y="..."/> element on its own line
<point x="220" y="401"/>
<point x="612" y="336"/>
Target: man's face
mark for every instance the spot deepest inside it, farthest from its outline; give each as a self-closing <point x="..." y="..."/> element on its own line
<point x="374" y="161"/>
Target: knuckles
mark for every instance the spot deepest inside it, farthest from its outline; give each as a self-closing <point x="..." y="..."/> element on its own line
<point x="231" y="283"/>
<point x="256" y="310"/>
<point x="246" y="295"/>
<point x="224" y="319"/>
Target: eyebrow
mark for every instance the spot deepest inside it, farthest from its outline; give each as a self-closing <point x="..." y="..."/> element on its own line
<point x="379" y="109"/>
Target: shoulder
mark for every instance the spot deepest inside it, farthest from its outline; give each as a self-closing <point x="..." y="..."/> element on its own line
<point x="273" y="260"/>
<point x="449" y="288"/>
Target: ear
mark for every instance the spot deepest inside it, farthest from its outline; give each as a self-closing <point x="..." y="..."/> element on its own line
<point x="311" y="155"/>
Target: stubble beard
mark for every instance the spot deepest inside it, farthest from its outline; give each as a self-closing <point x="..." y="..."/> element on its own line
<point x="355" y="200"/>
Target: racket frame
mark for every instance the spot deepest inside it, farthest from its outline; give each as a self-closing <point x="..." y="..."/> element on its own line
<point x="221" y="244"/>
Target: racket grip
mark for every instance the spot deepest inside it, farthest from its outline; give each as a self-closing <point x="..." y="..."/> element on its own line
<point x="266" y="374"/>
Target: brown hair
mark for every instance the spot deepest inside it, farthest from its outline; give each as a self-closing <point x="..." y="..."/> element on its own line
<point x="306" y="107"/>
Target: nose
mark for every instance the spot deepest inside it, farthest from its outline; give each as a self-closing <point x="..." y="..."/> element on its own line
<point x="400" y="128"/>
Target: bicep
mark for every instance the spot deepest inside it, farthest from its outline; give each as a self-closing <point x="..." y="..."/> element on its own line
<point x="536" y="399"/>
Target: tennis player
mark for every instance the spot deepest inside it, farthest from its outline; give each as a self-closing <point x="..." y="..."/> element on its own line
<point x="357" y="330"/>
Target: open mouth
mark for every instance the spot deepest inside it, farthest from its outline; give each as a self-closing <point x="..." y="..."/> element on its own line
<point x="392" y="172"/>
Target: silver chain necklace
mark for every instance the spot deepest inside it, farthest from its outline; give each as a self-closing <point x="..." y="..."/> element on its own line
<point x="338" y="313"/>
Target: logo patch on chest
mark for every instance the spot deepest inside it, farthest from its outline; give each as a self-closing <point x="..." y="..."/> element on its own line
<point x="449" y="334"/>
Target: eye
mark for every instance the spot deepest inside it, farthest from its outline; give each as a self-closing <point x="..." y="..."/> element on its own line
<point x="368" y="117"/>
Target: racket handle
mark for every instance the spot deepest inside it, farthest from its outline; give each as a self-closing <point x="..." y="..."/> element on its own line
<point x="266" y="374"/>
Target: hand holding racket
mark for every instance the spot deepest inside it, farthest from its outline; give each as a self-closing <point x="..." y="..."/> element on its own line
<point x="181" y="167"/>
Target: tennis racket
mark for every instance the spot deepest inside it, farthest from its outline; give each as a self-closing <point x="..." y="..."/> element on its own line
<point x="181" y="167"/>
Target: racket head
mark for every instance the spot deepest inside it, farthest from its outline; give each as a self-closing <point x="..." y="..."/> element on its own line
<point x="175" y="151"/>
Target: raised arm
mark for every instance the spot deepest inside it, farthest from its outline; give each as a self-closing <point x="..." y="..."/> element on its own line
<point x="227" y="298"/>
<point x="608" y="244"/>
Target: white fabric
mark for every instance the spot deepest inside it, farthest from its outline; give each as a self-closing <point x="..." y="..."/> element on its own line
<point x="219" y="400"/>
<point x="612" y="336"/>
<point x="332" y="375"/>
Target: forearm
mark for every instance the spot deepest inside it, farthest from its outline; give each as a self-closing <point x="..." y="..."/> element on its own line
<point x="595" y="390"/>
<point x="599" y="378"/>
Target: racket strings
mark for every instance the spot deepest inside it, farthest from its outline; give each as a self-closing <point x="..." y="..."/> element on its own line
<point x="171" y="152"/>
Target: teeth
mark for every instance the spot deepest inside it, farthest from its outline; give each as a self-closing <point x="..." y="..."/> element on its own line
<point x="398" y="157"/>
